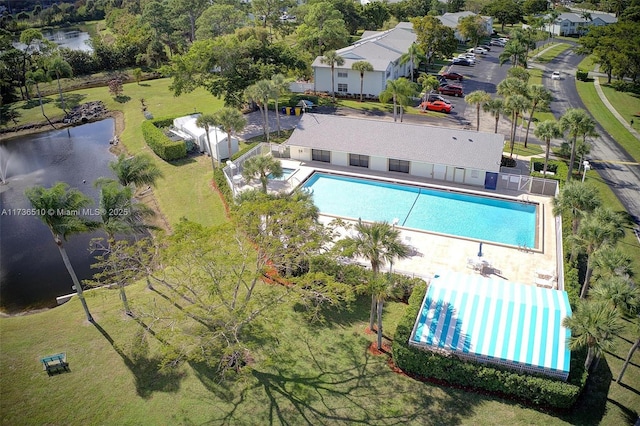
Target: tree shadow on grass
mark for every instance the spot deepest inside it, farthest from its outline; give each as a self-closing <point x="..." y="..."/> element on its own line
<point x="149" y="377"/>
<point x="71" y="100"/>
<point x="592" y="403"/>
<point x="35" y="103"/>
<point x="349" y="386"/>
<point x="9" y="114"/>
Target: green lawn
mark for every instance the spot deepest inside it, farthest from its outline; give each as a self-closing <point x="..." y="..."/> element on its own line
<point x="627" y="104"/>
<point x="303" y="374"/>
<point x="550" y="54"/>
<point x="606" y="119"/>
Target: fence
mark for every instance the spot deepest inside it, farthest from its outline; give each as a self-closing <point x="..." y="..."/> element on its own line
<point x="233" y="169"/>
<point x="528" y="184"/>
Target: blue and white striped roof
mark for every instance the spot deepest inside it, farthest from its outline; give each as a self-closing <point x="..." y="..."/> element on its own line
<point x="496" y="321"/>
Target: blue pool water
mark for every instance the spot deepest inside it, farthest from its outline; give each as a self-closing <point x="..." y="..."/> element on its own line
<point x="286" y="174"/>
<point x="452" y="213"/>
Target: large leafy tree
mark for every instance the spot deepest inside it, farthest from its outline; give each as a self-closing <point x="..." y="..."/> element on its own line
<point x="576" y="122"/>
<point x="576" y="199"/>
<point x="436" y="39"/>
<point x="187" y="11"/>
<point x="260" y="167"/>
<point x="546" y="131"/>
<point x="399" y="91"/>
<point x="507" y="12"/>
<point x="376" y="13"/>
<point x="593" y="325"/>
<point x="379" y="243"/>
<point x="332" y="58"/>
<point x="323" y="28"/>
<point x="473" y="28"/>
<point x="540" y="97"/>
<point x="361" y="67"/>
<point x="59" y="208"/>
<point x="219" y="19"/>
<point x="477" y="98"/>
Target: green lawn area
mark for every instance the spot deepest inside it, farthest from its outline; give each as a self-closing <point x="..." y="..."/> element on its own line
<point x="556" y="50"/>
<point x="606" y="119"/>
<point x="627" y="104"/>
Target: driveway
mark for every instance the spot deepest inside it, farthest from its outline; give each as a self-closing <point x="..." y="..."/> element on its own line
<point x="254" y="123"/>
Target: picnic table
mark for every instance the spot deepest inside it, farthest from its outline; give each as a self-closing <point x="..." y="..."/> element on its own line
<point x="55" y="363"/>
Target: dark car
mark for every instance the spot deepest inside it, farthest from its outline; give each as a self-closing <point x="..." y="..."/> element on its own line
<point x="461" y="61"/>
<point x="435" y="97"/>
<point x="451" y="89"/>
<point x="453" y="76"/>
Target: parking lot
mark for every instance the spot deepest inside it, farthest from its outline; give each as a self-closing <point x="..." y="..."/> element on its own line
<point x="484" y="75"/>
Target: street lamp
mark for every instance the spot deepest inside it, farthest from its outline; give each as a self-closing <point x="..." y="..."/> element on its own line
<point x="586" y="166"/>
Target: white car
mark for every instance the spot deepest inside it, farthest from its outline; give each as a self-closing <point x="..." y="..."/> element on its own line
<point x="555" y="75"/>
<point x="478" y="49"/>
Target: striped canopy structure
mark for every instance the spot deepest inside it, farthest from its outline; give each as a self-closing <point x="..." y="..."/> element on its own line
<point x="495" y="321"/>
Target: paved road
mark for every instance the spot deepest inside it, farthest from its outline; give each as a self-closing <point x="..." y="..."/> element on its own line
<point x="614" y="165"/>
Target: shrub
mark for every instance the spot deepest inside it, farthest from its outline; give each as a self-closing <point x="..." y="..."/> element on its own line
<point x="295" y="99"/>
<point x="560" y="169"/>
<point x="164" y="147"/>
<point x="536" y="390"/>
<point x="223" y="185"/>
<point x="582" y="75"/>
<point x="626" y="86"/>
<point x="507" y="162"/>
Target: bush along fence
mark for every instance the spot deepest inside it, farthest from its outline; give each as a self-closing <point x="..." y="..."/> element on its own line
<point x="531" y="389"/>
<point x="160" y="143"/>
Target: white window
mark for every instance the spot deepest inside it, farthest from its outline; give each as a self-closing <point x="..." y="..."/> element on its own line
<point x="342" y="74"/>
<point x="342" y="87"/>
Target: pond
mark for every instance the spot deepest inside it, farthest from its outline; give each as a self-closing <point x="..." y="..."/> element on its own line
<point x="32" y="274"/>
<point x="72" y="39"/>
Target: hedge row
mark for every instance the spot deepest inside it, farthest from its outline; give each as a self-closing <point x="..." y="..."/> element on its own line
<point x="164" y="147"/>
<point x="533" y="389"/>
<point x="559" y="168"/>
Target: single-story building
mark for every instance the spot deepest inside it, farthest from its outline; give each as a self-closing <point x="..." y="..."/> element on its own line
<point x="382" y="49"/>
<point x="451" y="20"/>
<point x="493" y="321"/>
<point x="570" y="23"/>
<point x="217" y="137"/>
<point x="453" y="155"/>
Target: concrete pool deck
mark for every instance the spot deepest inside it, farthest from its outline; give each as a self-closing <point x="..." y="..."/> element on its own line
<point x="435" y="254"/>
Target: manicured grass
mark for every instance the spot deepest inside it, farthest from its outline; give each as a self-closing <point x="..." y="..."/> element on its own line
<point x="627" y="104"/>
<point x="587" y="64"/>
<point x="550" y="54"/>
<point x="607" y="120"/>
<point x="519" y="149"/>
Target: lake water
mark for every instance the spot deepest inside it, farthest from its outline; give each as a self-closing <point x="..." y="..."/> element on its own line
<point x="72" y="39"/>
<point x="32" y="274"/>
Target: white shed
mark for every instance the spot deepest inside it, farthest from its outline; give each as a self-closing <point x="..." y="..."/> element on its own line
<point x="217" y="137"/>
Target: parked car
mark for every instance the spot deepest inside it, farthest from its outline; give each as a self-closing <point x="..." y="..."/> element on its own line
<point x="451" y="89"/>
<point x="486" y="47"/>
<point x="453" y="76"/>
<point x="438" y="106"/>
<point x="468" y="58"/>
<point x="480" y="50"/>
<point x="496" y="42"/>
<point x="461" y="61"/>
<point x="555" y="75"/>
<point x="432" y="97"/>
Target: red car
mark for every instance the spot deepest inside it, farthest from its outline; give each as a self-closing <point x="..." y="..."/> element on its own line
<point x="450" y="89"/>
<point x="453" y="76"/>
<point x="438" y="106"/>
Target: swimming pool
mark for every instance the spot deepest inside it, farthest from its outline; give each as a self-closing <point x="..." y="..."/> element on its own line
<point x="286" y="174"/>
<point x="444" y="212"/>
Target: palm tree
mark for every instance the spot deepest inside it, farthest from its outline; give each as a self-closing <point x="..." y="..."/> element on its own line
<point x="362" y="67"/>
<point x="538" y="96"/>
<point x="495" y="107"/>
<point x="380" y="288"/>
<point x="592" y="325"/>
<point x="332" y="58"/>
<point x="279" y="85"/>
<point x="120" y="215"/>
<point x="519" y="73"/>
<point x="60" y="68"/>
<point x="428" y="81"/>
<point x="232" y="121"/>
<point x="261" y="167"/>
<point x="612" y="262"/>
<point x="516" y="104"/>
<point x="379" y="243"/>
<point x="576" y="199"/>
<point x="35" y="77"/>
<point x="206" y="122"/>
<point x="546" y="131"/>
<point x="477" y="98"/>
<point x="551" y="20"/>
<point x="577" y="122"/>
<point x="259" y="93"/>
<point x="514" y="52"/>
<point x="399" y="90"/>
<point x="603" y="227"/>
<point x="636" y="332"/>
<point x="620" y="292"/>
<point x="136" y="170"/>
<point x="412" y="55"/>
<point x="58" y="207"/>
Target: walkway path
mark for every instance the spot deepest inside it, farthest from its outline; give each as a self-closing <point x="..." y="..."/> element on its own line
<point x="616" y="114"/>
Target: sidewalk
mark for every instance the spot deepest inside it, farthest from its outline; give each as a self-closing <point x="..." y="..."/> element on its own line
<point x="605" y="101"/>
